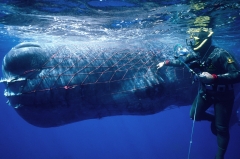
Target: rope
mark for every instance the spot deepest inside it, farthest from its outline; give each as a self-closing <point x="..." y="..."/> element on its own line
<point x="193" y="124"/>
<point x="194" y="117"/>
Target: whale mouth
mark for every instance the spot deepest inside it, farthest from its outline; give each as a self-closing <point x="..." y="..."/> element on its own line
<point x="11" y="80"/>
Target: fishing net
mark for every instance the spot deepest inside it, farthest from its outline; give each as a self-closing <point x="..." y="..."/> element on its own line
<point x="101" y="76"/>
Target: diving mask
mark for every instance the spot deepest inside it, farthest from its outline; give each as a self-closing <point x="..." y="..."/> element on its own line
<point x="198" y="37"/>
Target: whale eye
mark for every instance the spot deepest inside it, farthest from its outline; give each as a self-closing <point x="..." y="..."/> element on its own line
<point x="22" y="58"/>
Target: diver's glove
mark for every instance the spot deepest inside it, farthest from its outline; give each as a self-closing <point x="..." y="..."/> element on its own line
<point x="161" y="64"/>
<point x="207" y="78"/>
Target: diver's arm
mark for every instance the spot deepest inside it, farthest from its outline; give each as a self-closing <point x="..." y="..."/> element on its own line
<point x="231" y="66"/>
<point x="227" y="78"/>
<point x="231" y="76"/>
<point x="177" y="62"/>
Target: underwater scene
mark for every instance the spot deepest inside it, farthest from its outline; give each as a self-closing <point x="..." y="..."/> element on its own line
<point x="88" y="79"/>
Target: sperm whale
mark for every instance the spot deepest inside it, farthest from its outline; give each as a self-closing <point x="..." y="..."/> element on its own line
<point x="51" y="85"/>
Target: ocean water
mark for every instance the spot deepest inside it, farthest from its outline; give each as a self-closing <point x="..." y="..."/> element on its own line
<point x="165" y="135"/>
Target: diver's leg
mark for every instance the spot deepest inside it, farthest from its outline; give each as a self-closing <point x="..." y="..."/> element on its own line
<point x="223" y="111"/>
<point x="200" y="105"/>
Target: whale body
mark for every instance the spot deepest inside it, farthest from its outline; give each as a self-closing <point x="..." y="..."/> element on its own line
<point x="51" y="85"/>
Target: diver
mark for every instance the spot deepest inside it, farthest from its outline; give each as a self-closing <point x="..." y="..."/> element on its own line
<point x="217" y="71"/>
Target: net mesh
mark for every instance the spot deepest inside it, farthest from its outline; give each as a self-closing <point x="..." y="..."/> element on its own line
<point x="103" y="76"/>
<point x="67" y="68"/>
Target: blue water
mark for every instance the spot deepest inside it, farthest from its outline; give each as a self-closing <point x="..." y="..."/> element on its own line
<point x="165" y="135"/>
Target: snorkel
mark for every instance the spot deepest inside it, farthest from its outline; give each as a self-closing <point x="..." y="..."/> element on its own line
<point x="198" y="38"/>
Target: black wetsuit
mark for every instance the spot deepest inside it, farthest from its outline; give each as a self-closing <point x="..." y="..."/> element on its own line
<point x="220" y="93"/>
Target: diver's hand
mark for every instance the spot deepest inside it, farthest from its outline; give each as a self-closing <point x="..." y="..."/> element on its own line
<point x="206" y="78"/>
<point x="160" y="65"/>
